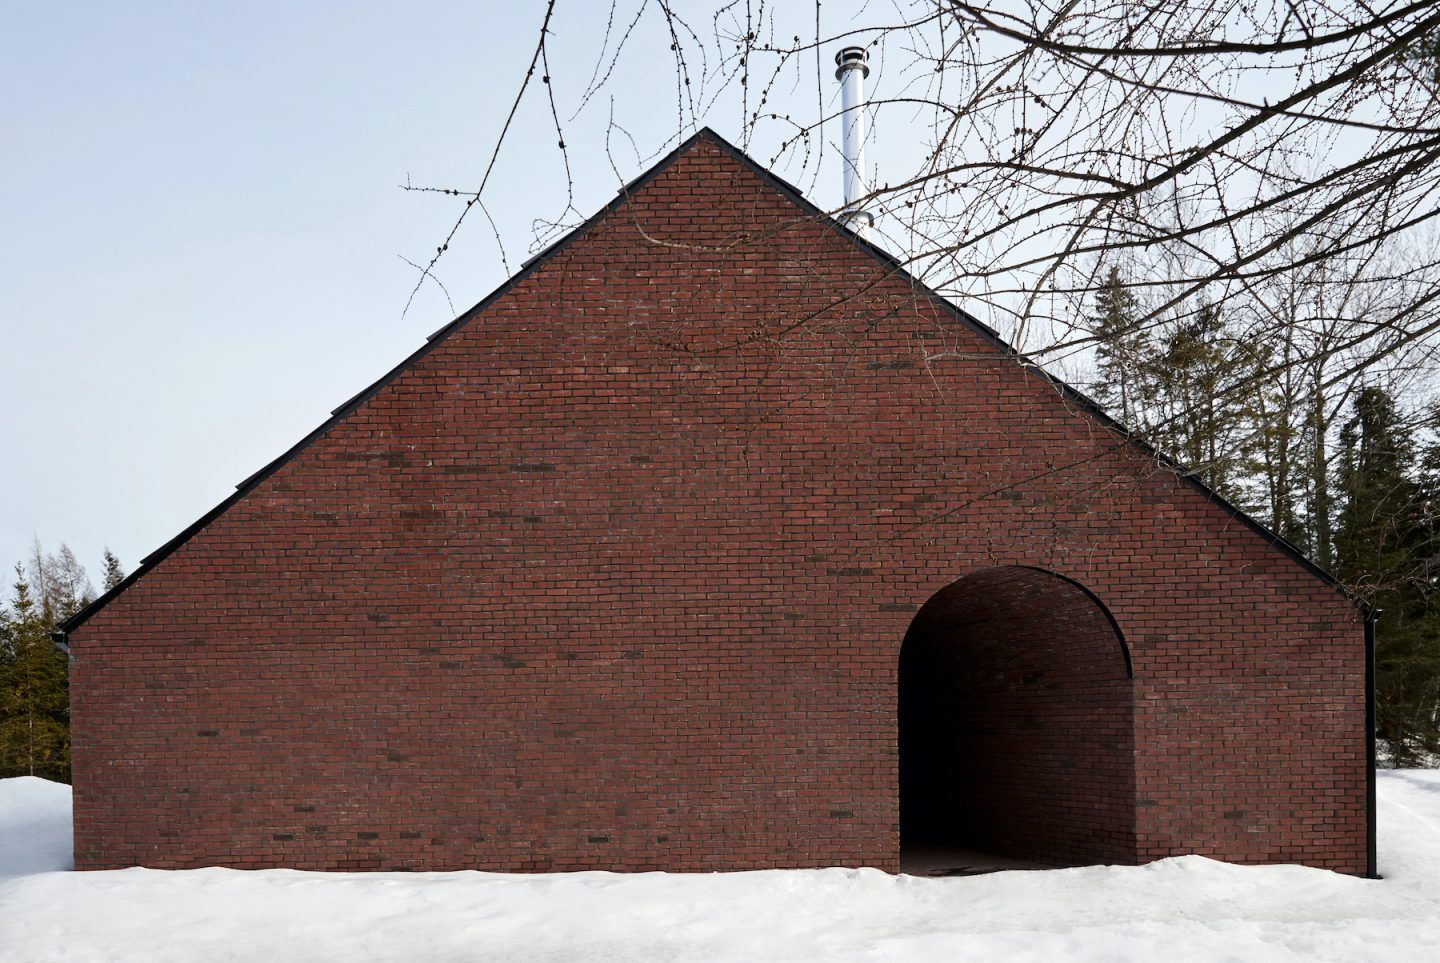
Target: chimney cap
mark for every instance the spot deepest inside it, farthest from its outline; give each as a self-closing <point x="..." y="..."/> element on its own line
<point x="851" y="57"/>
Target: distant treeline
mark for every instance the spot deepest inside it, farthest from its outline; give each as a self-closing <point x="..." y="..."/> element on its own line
<point x="34" y="675"/>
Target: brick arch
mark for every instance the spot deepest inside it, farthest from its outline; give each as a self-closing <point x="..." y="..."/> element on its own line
<point x="1016" y="715"/>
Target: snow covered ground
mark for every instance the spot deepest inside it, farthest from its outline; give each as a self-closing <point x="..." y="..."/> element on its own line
<point x="1178" y="909"/>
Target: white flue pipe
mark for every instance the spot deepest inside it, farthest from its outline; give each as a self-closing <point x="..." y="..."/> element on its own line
<point x="851" y="70"/>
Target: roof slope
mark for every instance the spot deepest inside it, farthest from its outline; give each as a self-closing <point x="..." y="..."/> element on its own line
<point x="791" y="193"/>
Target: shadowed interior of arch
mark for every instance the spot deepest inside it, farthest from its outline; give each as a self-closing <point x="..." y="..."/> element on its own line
<point x="1017" y="739"/>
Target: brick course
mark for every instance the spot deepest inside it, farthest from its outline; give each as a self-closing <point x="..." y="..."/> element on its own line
<point x="616" y="572"/>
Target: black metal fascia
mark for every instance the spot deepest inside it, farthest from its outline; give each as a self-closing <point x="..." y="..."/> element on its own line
<point x="1372" y="870"/>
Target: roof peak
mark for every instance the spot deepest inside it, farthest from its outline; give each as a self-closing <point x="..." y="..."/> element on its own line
<point x="795" y="196"/>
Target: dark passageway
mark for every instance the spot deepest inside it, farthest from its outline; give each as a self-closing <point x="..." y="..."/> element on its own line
<point x="1016" y="727"/>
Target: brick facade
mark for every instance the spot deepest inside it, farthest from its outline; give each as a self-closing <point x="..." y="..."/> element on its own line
<point x="615" y="573"/>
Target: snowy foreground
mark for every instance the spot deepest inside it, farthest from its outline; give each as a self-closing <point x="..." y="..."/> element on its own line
<point x="1178" y="909"/>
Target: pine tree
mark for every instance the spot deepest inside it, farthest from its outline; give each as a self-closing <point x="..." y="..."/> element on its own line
<point x="1386" y="547"/>
<point x="1204" y="384"/>
<point x="1123" y="352"/>
<point x="1190" y="391"/>
<point x="1279" y="408"/>
<point x="1381" y="497"/>
<point x="114" y="574"/>
<point x="34" y="701"/>
<point x="9" y="640"/>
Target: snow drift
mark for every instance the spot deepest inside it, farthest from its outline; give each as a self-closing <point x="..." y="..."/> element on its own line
<point x="1189" y="908"/>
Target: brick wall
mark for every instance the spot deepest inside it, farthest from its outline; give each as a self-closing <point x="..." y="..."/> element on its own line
<point x="616" y="573"/>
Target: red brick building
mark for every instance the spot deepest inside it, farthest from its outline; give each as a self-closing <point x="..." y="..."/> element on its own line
<point x="713" y="540"/>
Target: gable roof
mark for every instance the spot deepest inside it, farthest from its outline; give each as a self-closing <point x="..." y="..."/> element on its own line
<point x="791" y="193"/>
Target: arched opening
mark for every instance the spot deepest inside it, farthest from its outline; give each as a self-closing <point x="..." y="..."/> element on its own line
<point x="1017" y="742"/>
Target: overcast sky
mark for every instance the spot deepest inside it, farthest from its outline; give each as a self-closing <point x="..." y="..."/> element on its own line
<point x="201" y="229"/>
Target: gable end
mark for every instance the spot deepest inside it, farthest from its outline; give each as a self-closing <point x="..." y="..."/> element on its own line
<point x="894" y="268"/>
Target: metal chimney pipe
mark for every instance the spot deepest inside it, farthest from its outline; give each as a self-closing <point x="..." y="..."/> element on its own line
<point x="851" y="69"/>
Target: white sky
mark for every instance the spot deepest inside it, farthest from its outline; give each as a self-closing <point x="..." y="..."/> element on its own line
<point x="200" y="227"/>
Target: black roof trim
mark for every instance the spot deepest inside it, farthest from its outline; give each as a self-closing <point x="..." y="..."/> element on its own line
<point x="530" y="266"/>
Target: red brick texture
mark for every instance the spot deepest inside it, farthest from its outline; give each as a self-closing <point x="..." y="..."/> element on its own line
<point x="616" y="574"/>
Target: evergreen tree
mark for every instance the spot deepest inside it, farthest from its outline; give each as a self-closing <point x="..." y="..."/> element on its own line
<point x="9" y="640"/>
<point x="114" y="574"/>
<point x="1123" y="352"/>
<point x="1204" y="387"/>
<point x="1280" y="411"/>
<point x="1386" y="547"/>
<point x="34" y="674"/>
<point x="34" y="698"/>
<point x="1190" y="390"/>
